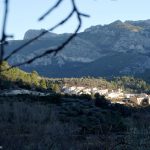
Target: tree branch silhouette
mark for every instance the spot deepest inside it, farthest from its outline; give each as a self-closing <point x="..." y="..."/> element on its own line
<point x="50" y="10"/>
<point x="54" y="51"/>
<point x="37" y="37"/>
<point x="4" y="36"/>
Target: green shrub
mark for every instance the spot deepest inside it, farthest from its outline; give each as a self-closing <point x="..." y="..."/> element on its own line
<point x="101" y="101"/>
<point x="53" y="98"/>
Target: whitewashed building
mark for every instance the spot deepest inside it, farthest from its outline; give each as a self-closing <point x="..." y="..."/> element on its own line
<point x="115" y="94"/>
<point x="103" y="92"/>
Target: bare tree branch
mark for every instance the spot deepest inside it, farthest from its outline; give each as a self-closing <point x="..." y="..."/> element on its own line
<point x="54" y="51"/>
<point x="50" y="10"/>
<point x="40" y="35"/>
<point x="4" y="36"/>
<point x="51" y="29"/>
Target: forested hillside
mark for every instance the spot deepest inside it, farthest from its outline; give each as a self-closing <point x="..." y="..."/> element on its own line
<point x="16" y="77"/>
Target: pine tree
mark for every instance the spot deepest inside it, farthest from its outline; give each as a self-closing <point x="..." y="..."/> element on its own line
<point x="43" y="84"/>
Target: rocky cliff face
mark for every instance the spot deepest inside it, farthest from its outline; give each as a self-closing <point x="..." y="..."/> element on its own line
<point x="119" y="48"/>
<point x="33" y="33"/>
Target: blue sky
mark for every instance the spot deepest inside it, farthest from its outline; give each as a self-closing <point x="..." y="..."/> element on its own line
<point x="23" y="14"/>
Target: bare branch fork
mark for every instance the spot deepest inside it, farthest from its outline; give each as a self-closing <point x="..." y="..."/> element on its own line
<point x="54" y="51"/>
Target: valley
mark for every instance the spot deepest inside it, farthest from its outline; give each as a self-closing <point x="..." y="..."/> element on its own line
<point x="94" y="94"/>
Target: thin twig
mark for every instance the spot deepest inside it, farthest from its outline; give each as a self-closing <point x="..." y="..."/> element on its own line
<point x="50" y="10"/>
<point x="37" y="37"/>
<point x="54" y="51"/>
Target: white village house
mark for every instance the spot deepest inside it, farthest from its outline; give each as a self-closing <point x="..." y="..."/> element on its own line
<point x="83" y="90"/>
<point x="141" y="97"/>
<point x="115" y="94"/>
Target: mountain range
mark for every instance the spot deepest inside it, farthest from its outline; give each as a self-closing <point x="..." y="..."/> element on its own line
<point x="117" y="49"/>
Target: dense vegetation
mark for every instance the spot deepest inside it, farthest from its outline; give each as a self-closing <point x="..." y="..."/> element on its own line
<point x="127" y="83"/>
<point x="31" y="122"/>
<point x="17" y="78"/>
<point x="132" y="84"/>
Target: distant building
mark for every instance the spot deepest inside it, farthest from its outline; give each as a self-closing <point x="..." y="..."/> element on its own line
<point x="87" y="91"/>
<point x="140" y="98"/>
<point x="115" y="94"/>
<point x="118" y="102"/>
<point x="103" y="92"/>
<point x="129" y="95"/>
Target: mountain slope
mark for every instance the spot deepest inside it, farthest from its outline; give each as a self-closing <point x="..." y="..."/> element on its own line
<point x="15" y="77"/>
<point x="119" y="48"/>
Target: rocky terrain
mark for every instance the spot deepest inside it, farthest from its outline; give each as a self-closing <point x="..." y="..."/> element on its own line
<point x="119" y="48"/>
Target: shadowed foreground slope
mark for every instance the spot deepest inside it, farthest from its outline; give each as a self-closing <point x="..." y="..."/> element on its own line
<point x="28" y="122"/>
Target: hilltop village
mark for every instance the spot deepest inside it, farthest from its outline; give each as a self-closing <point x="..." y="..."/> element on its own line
<point x="122" y="90"/>
<point x="115" y="96"/>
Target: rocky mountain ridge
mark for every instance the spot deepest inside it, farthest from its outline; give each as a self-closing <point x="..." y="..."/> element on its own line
<point x="119" y="48"/>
